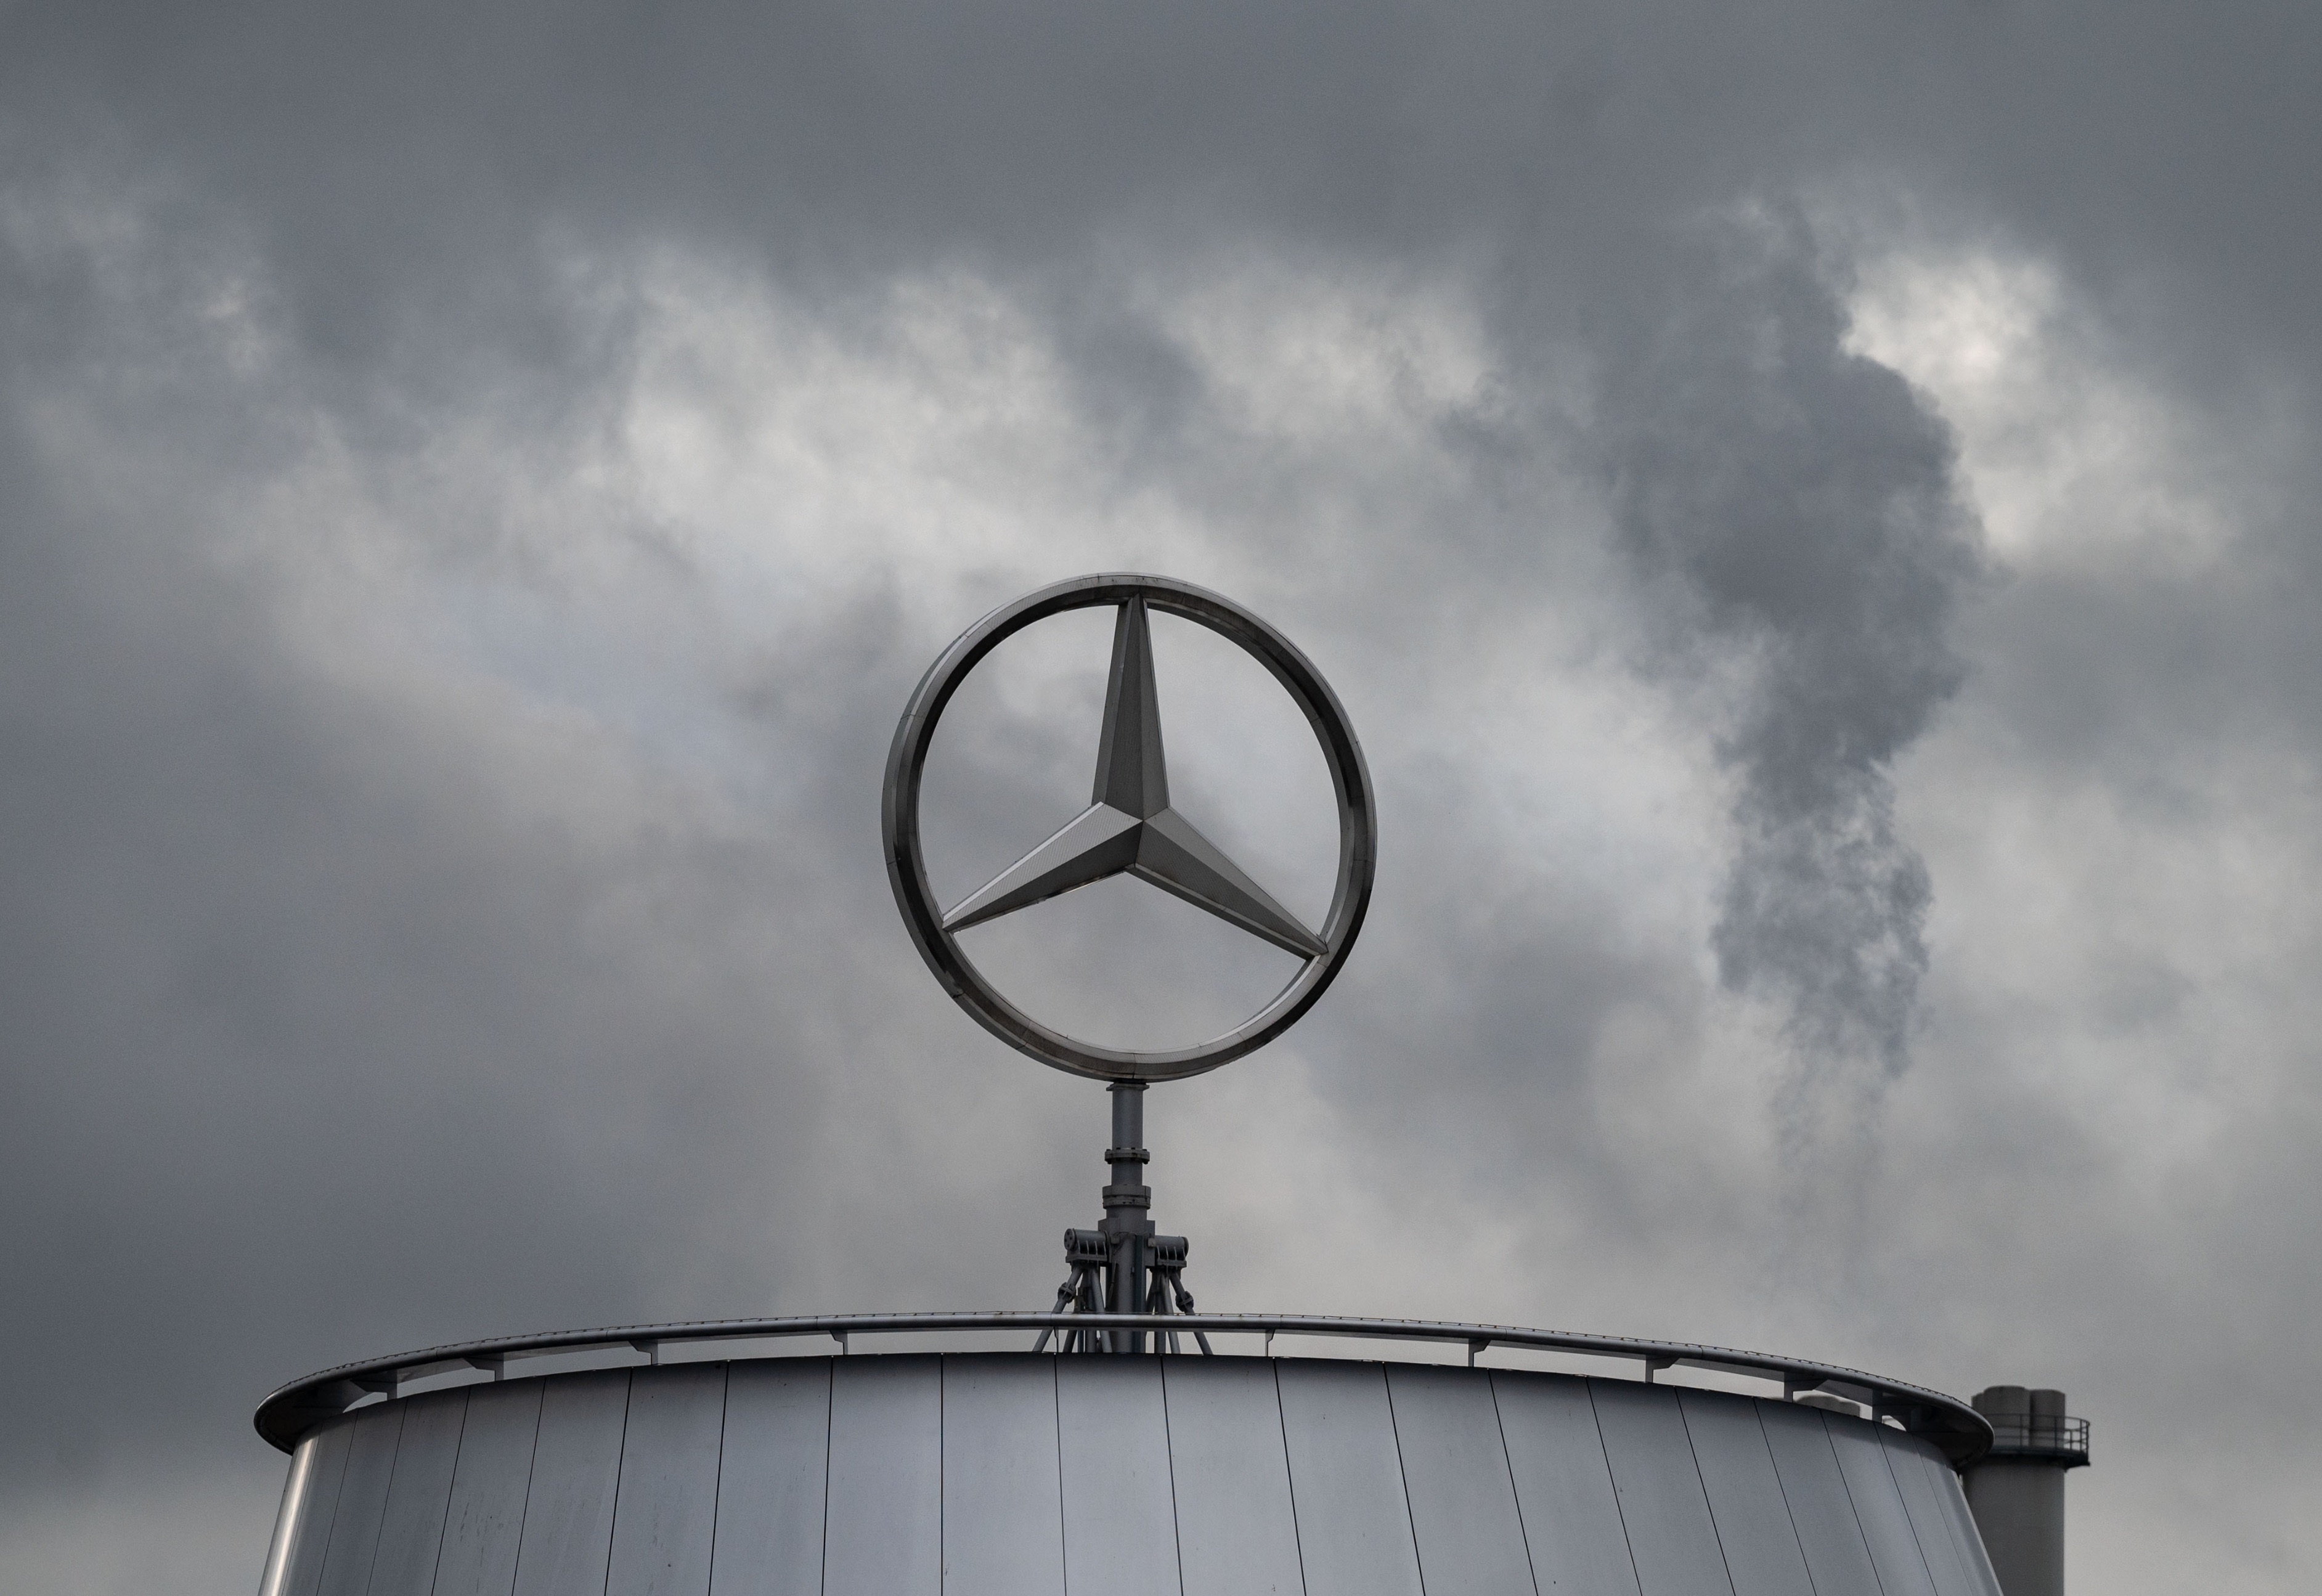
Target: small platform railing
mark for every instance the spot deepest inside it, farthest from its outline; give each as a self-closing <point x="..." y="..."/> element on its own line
<point x="2052" y="1436"/>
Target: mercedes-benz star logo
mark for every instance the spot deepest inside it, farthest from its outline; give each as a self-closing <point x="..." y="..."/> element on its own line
<point x="1129" y="826"/>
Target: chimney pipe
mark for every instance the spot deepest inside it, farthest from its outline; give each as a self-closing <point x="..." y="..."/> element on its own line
<point x="2016" y="1491"/>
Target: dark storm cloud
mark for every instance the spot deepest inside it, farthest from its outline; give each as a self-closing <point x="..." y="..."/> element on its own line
<point x="344" y="1012"/>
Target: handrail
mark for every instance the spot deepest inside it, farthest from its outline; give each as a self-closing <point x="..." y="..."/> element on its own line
<point x="2059" y="1437"/>
<point x="285" y="1416"/>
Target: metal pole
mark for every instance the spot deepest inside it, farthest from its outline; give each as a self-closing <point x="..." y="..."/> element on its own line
<point x="1127" y="1209"/>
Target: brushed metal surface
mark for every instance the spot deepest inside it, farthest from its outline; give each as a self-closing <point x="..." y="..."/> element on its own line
<point x="1838" y="1557"/>
<point x="362" y="1501"/>
<point x="772" y="1479"/>
<point x="576" y="1469"/>
<point x="1112" y="1436"/>
<point x="1923" y="1499"/>
<point x="1236" y="1533"/>
<point x="1564" y="1485"/>
<point x="1879" y="1506"/>
<point x="1932" y="1536"/>
<point x="665" y="1512"/>
<point x="884" y="1521"/>
<point x="1346" y="1480"/>
<point x="1966" y="1532"/>
<point x="1044" y="1475"/>
<point x="1663" y="1506"/>
<point x="1762" y="1554"/>
<point x="485" y="1522"/>
<point x="1469" y="1536"/>
<point x="310" y="1535"/>
<point x="411" y="1534"/>
<point x="1003" y="1504"/>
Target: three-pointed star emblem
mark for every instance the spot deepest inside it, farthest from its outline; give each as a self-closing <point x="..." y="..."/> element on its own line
<point x="1130" y="828"/>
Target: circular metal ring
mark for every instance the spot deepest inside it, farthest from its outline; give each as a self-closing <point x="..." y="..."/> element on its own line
<point x="907" y="866"/>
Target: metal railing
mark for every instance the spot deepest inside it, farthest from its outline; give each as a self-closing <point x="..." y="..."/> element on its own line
<point x="282" y="1418"/>
<point x="2048" y="1436"/>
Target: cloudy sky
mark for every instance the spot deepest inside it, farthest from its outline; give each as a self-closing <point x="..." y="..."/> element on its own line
<point x="1809" y="506"/>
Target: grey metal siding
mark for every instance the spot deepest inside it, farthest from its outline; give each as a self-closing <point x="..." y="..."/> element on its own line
<point x="411" y="1535"/>
<point x="576" y="1468"/>
<point x="1346" y="1480"/>
<point x="1663" y="1506"/>
<point x="884" y="1527"/>
<point x="1762" y="1554"/>
<point x="1002" y="1500"/>
<point x="665" y="1512"/>
<point x="1947" y="1560"/>
<point x="1878" y="1508"/>
<point x="489" y="1486"/>
<point x="1964" y="1533"/>
<point x="1564" y="1486"/>
<point x="1237" y="1532"/>
<point x="318" y="1505"/>
<point x="1120" y="1519"/>
<point x="362" y="1502"/>
<point x="1838" y="1557"/>
<point x="969" y="1473"/>
<point x="772" y="1480"/>
<point x="1454" y="1471"/>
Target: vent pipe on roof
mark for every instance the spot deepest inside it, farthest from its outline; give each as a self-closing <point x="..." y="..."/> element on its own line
<point x="2016" y="1490"/>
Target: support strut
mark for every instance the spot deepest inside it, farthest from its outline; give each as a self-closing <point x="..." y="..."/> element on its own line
<point x="1122" y="1266"/>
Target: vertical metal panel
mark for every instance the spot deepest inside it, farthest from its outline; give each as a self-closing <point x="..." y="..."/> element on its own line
<point x="576" y="1468"/>
<point x="665" y="1512"/>
<point x="411" y="1535"/>
<point x="1120" y="1521"/>
<point x="1933" y="1536"/>
<point x="1236" y="1533"/>
<point x="773" y="1479"/>
<point x="1455" y="1474"/>
<point x="1972" y="1551"/>
<point x="1912" y="1460"/>
<point x="1879" y="1506"/>
<point x="884" y="1535"/>
<point x="1821" y="1509"/>
<point x="1762" y="1554"/>
<point x="488" y="1484"/>
<point x="1346" y="1480"/>
<point x="1003" y="1526"/>
<point x="310" y="1535"/>
<point x="1663" y="1506"/>
<point x="1564" y="1486"/>
<point x="362" y="1501"/>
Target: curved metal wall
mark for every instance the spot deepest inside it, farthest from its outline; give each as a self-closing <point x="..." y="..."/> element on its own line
<point x="1025" y="1475"/>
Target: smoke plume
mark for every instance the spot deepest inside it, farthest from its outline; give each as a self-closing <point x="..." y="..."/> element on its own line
<point x="1797" y="506"/>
